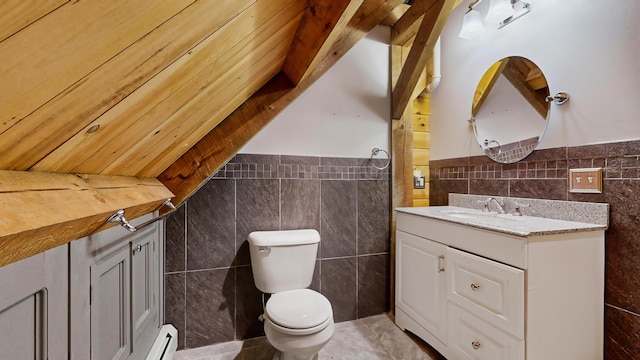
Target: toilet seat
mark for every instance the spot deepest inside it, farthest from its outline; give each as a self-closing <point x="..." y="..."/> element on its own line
<point x="300" y="311"/>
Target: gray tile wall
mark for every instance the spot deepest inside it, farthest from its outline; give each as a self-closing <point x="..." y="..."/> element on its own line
<point x="544" y="175"/>
<point x="209" y="292"/>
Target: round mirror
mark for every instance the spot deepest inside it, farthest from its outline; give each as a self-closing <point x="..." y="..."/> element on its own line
<point x="509" y="112"/>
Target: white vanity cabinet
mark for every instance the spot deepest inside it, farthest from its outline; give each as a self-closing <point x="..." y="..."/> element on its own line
<point x="476" y="293"/>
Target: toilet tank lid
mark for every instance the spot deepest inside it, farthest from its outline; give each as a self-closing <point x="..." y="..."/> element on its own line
<point x="284" y="237"/>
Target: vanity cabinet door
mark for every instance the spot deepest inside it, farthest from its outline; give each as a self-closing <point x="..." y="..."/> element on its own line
<point x="110" y="307"/>
<point x="421" y="282"/>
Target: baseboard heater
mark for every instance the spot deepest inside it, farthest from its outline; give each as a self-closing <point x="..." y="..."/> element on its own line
<point x="165" y="345"/>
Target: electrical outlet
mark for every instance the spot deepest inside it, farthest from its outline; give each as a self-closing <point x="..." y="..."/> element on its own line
<point x="587" y="180"/>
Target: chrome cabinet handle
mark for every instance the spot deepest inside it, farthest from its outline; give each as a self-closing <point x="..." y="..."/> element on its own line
<point x="475" y="345"/>
<point x="475" y="286"/>
<point x="441" y="263"/>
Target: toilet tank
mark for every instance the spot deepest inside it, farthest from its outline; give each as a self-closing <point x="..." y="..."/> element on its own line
<point x="283" y="260"/>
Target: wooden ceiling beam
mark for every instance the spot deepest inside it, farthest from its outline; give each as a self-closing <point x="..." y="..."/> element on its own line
<point x="407" y="26"/>
<point x="321" y="25"/>
<point x="39" y="211"/>
<point x="421" y="50"/>
<point x="192" y="170"/>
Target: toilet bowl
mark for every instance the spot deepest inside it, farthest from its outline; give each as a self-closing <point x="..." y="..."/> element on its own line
<point x="297" y="321"/>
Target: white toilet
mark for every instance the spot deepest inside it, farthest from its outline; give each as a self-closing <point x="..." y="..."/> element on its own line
<point x="297" y="321"/>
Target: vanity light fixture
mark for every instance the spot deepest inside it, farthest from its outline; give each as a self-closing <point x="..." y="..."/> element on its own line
<point x="501" y="12"/>
<point x="471" y="23"/>
<point x="498" y="11"/>
<point x="520" y="8"/>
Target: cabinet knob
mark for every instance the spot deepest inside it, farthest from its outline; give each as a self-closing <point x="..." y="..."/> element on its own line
<point x="137" y="249"/>
<point x="475" y="345"/>
<point x="475" y="286"/>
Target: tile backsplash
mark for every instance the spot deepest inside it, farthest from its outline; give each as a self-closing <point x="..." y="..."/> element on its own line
<point x="209" y="291"/>
<point x="544" y="175"/>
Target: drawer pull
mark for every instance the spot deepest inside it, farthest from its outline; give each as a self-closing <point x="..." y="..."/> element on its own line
<point x="441" y="263"/>
<point x="475" y="286"/>
<point x="475" y="345"/>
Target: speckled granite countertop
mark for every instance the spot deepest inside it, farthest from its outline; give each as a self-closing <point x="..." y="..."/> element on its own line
<point x="559" y="216"/>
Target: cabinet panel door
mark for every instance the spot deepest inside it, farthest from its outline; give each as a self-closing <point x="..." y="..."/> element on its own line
<point x="421" y="282"/>
<point x="471" y="338"/>
<point x="110" y="307"/>
<point x="144" y="287"/>
<point x="33" y="307"/>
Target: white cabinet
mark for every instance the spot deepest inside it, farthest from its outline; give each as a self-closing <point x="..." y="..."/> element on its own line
<point x="421" y="285"/>
<point x="115" y="293"/>
<point x="473" y="293"/>
<point x="33" y="307"/>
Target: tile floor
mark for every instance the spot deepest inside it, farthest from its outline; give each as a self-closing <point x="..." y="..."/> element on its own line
<point x="371" y="338"/>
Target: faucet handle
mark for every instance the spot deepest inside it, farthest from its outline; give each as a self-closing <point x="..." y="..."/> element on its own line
<point x="516" y="211"/>
<point x="485" y="204"/>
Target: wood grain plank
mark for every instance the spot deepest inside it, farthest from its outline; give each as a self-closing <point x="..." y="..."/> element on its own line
<point x="182" y="135"/>
<point x="421" y="156"/>
<point x="15" y="15"/>
<point x="193" y="168"/>
<point x="322" y="23"/>
<point x="52" y="209"/>
<point x="172" y="96"/>
<point x="421" y="140"/>
<point x="421" y="123"/>
<point x="65" y="115"/>
<point x="420" y="202"/>
<point x="46" y="58"/>
<point x="420" y="52"/>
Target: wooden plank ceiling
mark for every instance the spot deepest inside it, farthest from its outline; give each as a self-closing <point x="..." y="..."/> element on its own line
<point x="150" y="92"/>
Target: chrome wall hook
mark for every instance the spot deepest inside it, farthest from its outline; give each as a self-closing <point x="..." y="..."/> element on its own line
<point x="558" y="99"/>
<point x="119" y="218"/>
<point x="169" y="204"/>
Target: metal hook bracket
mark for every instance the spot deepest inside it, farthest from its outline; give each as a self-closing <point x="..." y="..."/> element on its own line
<point x="558" y="99"/>
<point x="119" y="218"/>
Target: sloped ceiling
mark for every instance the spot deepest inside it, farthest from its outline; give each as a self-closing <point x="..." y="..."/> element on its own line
<point x="145" y="98"/>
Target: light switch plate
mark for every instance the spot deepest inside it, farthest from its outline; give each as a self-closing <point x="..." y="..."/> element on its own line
<point x="588" y="180"/>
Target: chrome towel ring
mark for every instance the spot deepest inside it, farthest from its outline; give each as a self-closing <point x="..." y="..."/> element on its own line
<point x="375" y="152"/>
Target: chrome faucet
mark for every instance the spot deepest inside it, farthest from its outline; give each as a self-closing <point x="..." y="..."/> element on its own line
<point x="488" y="201"/>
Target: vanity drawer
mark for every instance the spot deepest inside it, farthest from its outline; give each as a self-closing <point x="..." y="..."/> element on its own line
<point x="490" y="290"/>
<point x="472" y="338"/>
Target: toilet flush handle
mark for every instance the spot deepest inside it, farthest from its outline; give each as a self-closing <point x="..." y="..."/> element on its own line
<point x="264" y="249"/>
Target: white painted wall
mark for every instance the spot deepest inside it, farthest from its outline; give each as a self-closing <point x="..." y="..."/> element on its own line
<point x="345" y="113"/>
<point x="590" y="49"/>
